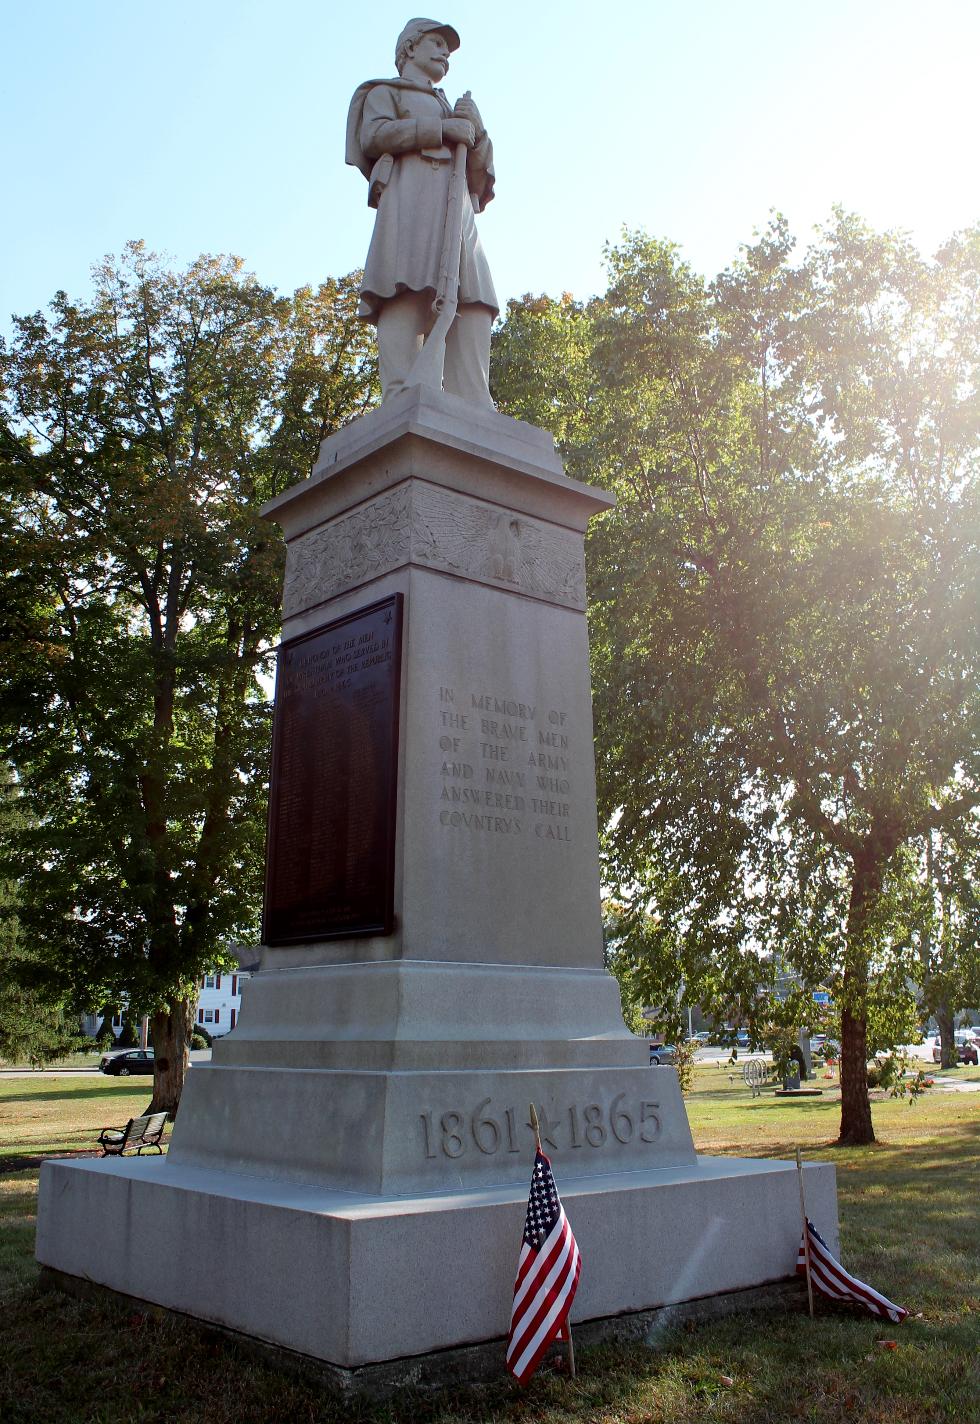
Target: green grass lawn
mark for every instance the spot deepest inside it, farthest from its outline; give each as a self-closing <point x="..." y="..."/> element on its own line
<point x="909" y="1222"/>
<point x="42" y="1115"/>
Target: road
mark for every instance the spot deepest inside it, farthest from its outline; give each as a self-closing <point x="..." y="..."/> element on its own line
<point x="198" y="1055"/>
<point x="718" y="1056"/>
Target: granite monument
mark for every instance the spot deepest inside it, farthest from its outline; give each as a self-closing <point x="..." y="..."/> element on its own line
<point x="432" y="962"/>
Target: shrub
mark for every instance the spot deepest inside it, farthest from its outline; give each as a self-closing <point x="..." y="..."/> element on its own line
<point x="105" y="1038"/>
<point x="684" y="1063"/>
<point x="129" y="1036"/>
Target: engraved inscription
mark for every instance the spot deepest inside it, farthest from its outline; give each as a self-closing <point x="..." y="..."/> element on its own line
<point x="505" y="766"/>
<point x="487" y="1129"/>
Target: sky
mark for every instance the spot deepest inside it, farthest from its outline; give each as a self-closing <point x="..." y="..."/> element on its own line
<point x="218" y="126"/>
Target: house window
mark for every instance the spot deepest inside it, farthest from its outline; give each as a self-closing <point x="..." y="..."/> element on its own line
<point x="117" y="1021"/>
<point x="209" y="981"/>
<point x="209" y="1015"/>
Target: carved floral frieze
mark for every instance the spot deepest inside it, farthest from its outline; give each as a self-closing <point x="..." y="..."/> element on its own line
<point x="437" y="528"/>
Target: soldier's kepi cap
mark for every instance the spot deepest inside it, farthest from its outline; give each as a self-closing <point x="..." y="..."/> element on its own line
<point x="415" y="29"/>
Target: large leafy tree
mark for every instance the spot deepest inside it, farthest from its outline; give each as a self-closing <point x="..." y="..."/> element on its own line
<point x="784" y="610"/>
<point x="141" y="431"/>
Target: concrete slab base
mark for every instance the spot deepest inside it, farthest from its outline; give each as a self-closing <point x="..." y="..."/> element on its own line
<point x="473" y="1364"/>
<point x="356" y="1280"/>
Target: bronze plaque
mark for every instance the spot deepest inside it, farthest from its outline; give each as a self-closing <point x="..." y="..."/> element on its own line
<point x="330" y="856"/>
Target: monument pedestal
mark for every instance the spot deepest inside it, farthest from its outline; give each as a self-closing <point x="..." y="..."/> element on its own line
<point x="355" y="1280"/>
<point x="367" y="1121"/>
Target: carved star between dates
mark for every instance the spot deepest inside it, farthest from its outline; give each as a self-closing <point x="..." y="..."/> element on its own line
<point x="547" y="1127"/>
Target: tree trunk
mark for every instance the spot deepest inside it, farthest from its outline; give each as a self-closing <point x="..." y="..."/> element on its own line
<point x="170" y="1031"/>
<point x="855" y="1119"/>
<point x="855" y="1116"/>
<point x="945" y="1018"/>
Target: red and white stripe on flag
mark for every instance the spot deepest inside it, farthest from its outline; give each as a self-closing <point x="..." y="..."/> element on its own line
<point x="830" y="1278"/>
<point x="547" y="1275"/>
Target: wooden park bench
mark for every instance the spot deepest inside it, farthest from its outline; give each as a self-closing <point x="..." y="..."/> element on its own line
<point x="138" y="1133"/>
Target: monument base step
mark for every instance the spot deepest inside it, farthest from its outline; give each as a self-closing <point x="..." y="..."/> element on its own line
<point x="354" y="1280"/>
<point x="469" y="1364"/>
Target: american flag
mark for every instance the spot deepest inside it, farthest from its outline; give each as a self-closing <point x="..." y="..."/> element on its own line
<point x="830" y="1278"/>
<point x="547" y="1275"/>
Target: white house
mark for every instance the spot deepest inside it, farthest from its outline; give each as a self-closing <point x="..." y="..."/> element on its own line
<point x="219" y="1001"/>
<point x="219" y="998"/>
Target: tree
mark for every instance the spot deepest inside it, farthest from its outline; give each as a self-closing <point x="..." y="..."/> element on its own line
<point x="949" y="926"/>
<point x="34" y="1027"/>
<point x="141" y="432"/>
<point x="541" y="368"/>
<point x="784" y="610"/>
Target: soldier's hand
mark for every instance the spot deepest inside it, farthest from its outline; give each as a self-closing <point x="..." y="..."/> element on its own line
<point x="465" y="108"/>
<point x="459" y="131"/>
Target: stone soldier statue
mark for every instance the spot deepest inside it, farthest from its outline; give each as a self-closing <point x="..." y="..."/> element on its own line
<point x="403" y="136"/>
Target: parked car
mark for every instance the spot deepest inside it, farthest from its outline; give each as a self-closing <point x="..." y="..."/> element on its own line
<point x="135" y="1060"/>
<point x="661" y="1053"/>
<point x="967" y="1047"/>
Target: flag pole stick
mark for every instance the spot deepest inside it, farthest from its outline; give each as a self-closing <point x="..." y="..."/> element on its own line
<point x="806" y="1231"/>
<point x="536" y="1126"/>
<point x="566" y="1330"/>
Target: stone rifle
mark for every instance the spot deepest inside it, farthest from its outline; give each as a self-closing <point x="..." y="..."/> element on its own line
<point x="427" y="368"/>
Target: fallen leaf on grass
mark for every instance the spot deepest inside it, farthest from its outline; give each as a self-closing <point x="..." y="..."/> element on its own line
<point x="888" y="1344"/>
<point x="727" y="1381"/>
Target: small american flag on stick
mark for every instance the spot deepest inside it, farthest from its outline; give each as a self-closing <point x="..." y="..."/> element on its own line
<point x="547" y="1275"/>
<point x="830" y="1278"/>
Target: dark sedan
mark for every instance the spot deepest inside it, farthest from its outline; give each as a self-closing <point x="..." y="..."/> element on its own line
<point x="137" y="1060"/>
